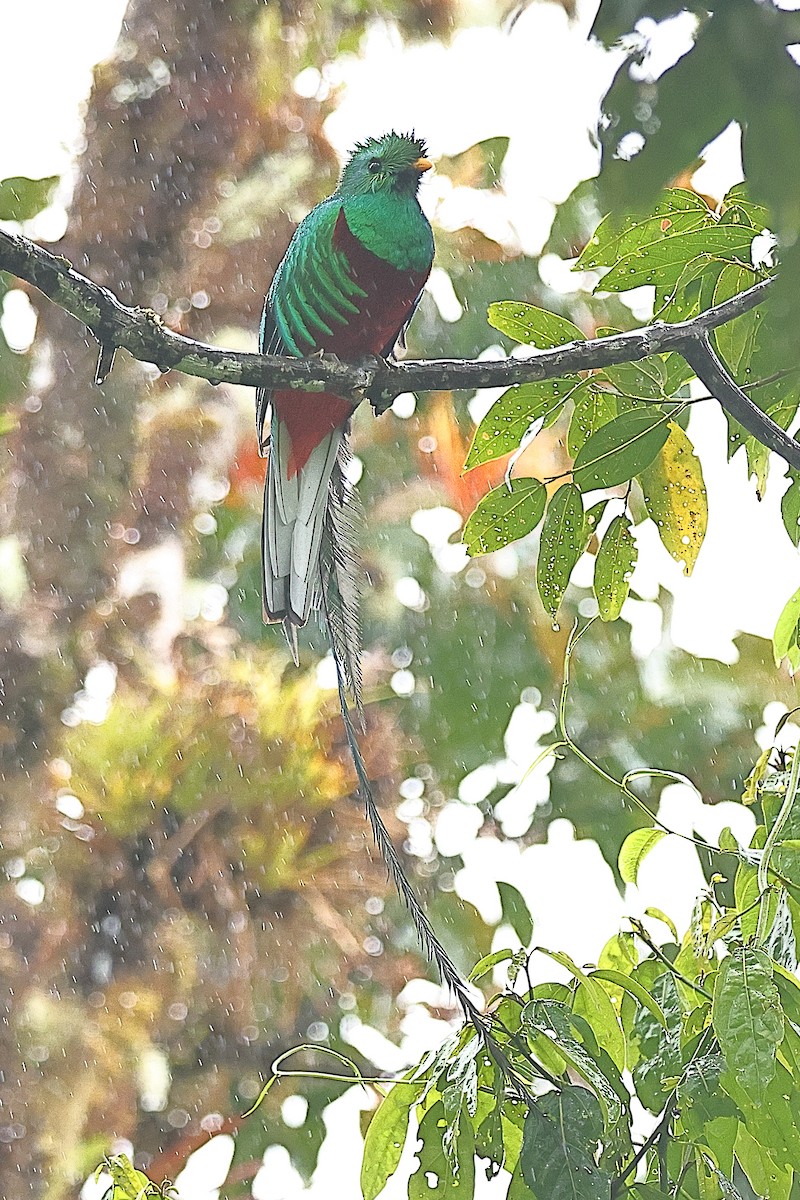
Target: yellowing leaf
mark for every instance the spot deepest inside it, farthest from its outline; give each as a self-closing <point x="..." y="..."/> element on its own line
<point x="675" y="498"/>
<point x="635" y="848"/>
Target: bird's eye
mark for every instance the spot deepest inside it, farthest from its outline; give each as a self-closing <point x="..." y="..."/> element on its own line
<point x="373" y="166"/>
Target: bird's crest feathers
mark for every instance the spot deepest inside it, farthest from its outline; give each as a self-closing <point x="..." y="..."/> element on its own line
<point x="389" y="162"/>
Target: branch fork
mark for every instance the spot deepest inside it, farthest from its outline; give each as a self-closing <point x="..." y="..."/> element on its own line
<point x="141" y="332"/>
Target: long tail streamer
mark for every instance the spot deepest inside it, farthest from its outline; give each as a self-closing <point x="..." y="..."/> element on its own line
<point x="425" y="931"/>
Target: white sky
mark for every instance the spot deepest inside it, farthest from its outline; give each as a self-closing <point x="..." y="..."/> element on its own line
<point x="539" y="84"/>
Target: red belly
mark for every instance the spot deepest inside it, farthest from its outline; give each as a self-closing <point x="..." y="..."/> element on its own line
<point x="311" y="416"/>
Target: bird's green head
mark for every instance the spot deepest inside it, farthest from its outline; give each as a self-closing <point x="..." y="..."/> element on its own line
<point x="393" y="163"/>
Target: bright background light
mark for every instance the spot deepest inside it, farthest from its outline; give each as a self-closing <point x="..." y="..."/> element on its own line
<point x="487" y="81"/>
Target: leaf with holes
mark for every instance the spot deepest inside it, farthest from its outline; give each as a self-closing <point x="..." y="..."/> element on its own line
<point x="620" y="450"/>
<point x="561" y="545"/>
<point x="506" y="514"/>
<point x="386" y="1137"/>
<point x="675" y="497"/>
<point x="562" y="1131"/>
<point x="434" y="1178"/>
<point x="613" y="568"/>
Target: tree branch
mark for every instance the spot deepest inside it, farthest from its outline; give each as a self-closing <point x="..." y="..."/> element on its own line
<point x="141" y="332"/>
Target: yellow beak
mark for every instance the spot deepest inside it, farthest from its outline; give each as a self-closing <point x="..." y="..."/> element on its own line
<point x="422" y="164"/>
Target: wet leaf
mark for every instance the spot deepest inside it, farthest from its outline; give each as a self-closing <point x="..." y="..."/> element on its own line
<point x="22" y="198"/>
<point x="675" y="497"/>
<point x="620" y="450"/>
<point x="785" y="639"/>
<point x="561" y="545"/>
<point x="386" y="1137"/>
<point x="594" y="407"/>
<point x="666" y="259"/>
<point x="506" y="514"/>
<point x="790" y="507"/>
<point x="613" y="568"/>
<point x="677" y="211"/>
<point x="434" y="1178"/>
<point x="736" y="340"/>
<point x="748" y="1019"/>
<point x="511" y="416"/>
<point x="561" y="1132"/>
<point x="488" y="963"/>
<point x="532" y="326"/>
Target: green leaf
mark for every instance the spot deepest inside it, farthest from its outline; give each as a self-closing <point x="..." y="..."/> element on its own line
<point x="748" y="1019"/>
<point x="675" y="498"/>
<point x="21" y="198"/>
<point x="488" y="963"/>
<point x="555" y="1021"/>
<point x="532" y="326"/>
<point x="515" y="911"/>
<point x="561" y="545"/>
<point x="635" y="848"/>
<point x="434" y="1178"/>
<point x="512" y="415"/>
<point x="594" y="407"/>
<point x="635" y="989"/>
<point x="613" y="568"/>
<point x="620" y="450"/>
<point x="643" y="380"/>
<point x="759" y="1166"/>
<point x="700" y="1095"/>
<point x="785" y="639"/>
<point x="386" y="1137"/>
<point x="128" y="1183"/>
<point x="592" y="1002"/>
<point x="736" y="340"/>
<point x="508" y="512"/>
<point x="677" y="211"/>
<point x="790" y="507"/>
<point x="664" y="260"/>
<point x="562" y="1130"/>
<point x="738" y="199"/>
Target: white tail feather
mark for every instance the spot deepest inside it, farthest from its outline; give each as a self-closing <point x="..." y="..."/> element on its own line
<point x="295" y="508"/>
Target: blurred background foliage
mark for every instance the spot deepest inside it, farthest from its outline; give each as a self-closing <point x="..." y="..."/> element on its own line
<point x="188" y="887"/>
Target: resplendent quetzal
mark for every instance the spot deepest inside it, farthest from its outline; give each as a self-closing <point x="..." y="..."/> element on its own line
<point x="348" y="284"/>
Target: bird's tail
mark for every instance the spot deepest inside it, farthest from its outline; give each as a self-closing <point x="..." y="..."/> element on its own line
<point x="296" y="504"/>
<point x="311" y="562"/>
<point x="425" y="932"/>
